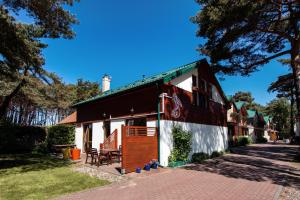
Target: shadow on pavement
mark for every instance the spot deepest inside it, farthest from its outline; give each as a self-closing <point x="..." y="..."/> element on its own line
<point x="250" y="163"/>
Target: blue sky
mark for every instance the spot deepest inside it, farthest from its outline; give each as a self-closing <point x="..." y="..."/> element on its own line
<point x="128" y="39"/>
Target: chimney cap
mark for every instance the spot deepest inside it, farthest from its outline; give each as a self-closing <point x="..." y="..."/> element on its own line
<point x="106" y="75"/>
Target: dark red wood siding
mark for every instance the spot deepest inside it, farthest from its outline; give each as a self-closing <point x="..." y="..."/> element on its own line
<point x="142" y="100"/>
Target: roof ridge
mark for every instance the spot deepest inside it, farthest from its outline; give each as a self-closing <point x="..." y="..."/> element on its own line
<point x="140" y="82"/>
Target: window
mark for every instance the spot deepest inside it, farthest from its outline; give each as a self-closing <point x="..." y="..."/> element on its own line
<point x="210" y="91"/>
<point x="194" y="81"/>
<point x="195" y="98"/>
<point x="202" y="84"/>
<point x="202" y="101"/>
<point x="136" y="122"/>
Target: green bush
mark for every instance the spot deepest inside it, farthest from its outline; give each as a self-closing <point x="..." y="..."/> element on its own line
<point x="60" y="134"/>
<point x="244" y="141"/>
<point x="261" y="140"/>
<point x="41" y="148"/>
<point x="199" y="157"/>
<point x="216" y="154"/>
<point x="182" y="144"/>
<point x="20" y="139"/>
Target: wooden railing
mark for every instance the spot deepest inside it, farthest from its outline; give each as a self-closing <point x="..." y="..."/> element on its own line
<point x="111" y="142"/>
<point x="140" y="131"/>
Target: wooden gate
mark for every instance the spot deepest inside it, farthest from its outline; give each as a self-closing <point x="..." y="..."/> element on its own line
<point x="139" y="146"/>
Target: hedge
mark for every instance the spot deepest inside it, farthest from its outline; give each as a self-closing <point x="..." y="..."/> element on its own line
<point x="60" y="134"/>
<point x="20" y="139"/>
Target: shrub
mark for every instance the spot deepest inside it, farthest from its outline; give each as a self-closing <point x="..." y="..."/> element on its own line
<point x="60" y="134"/>
<point x="216" y="154"/>
<point x="199" y="157"/>
<point x="261" y="140"/>
<point x="182" y="144"/>
<point x="20" y="139"/>
<point x="244" y="141"/>
<point x="41" y="148"/>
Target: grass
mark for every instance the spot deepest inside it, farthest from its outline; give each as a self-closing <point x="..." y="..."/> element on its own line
<point x="40" y="177"/>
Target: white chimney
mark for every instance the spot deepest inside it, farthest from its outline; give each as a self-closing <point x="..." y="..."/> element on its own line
<point x="106" y="83"/>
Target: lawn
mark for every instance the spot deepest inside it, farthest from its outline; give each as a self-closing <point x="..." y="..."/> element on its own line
<point x="40" y="177"/>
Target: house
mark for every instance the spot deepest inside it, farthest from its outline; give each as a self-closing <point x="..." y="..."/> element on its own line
<point x="189" y="96"/>
<point x="270" y="128"/>
<point x="256" y="124"/>
<point x="237" y="119"/>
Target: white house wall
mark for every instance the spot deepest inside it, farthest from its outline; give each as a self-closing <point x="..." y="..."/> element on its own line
<point x="79" y="136"/>
<point x="117" y="124"/>
<point x="185" y="81"/>
<point x="206" y="138"/>
<point x="97" y="135"/>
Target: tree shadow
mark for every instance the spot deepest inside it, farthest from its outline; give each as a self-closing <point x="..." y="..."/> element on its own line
<point x="251" y="168"/>
<point x="269" y="151"/>
<point x="21" y="163"/>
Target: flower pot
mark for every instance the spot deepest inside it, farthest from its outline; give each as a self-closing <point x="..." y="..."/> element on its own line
<point x="154" y="165"/>
<point x="147" y="167"/>
<point x="138" y="170"/>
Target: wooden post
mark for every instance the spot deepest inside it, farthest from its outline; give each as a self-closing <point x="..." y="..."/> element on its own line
<point x="123" y="143"/>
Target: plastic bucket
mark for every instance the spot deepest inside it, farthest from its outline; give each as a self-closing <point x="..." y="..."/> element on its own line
<point x="75" y="154"/>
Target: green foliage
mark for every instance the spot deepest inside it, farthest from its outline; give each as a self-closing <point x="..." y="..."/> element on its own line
<point x="239" y="141"/>
<point x="21" y="57"/>
<point x="15" y="138"/>
<point x="249" y="101"/>
<point x="261" y="140"/>
<point x="199" y="157"/>
<point x="279" y="110"/>
<point x="66" y="153"/>
<point x="60" y="134"/>
<point x="243" y="141"/>
<point x="182" y="144"/>
<point x="86" y="89"/>
<point x="216" y="154"/>
<point x="241" y="36"/>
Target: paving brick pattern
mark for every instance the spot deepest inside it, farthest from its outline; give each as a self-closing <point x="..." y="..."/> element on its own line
<point x="248" y="174"/>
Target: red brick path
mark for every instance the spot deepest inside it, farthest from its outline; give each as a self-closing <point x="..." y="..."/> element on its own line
<point x="234" y="176"/>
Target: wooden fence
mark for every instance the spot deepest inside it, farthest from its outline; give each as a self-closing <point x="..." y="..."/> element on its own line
<point x="139" y="147"/>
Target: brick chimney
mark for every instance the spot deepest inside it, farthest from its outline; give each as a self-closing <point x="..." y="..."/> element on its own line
<point x="106" y="83"/>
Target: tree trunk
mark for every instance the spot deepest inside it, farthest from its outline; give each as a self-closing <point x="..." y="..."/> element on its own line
<point x="296" y="75"/>
<point x="292" y="132"/>
<point x="5" y="104"/>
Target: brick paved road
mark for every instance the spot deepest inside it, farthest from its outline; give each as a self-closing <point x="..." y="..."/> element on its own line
<point x="256" y="172"/>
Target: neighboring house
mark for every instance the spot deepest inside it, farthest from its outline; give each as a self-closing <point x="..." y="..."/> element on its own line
<point x="237" y="119"/>
<point x="270" y="128"/>
<point x="256" y="124"/>
<point x="189" y="96"/>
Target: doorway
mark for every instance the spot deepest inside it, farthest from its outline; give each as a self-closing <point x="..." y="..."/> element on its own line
<point x="106" y="127"/>
<point x="87" y="136"/>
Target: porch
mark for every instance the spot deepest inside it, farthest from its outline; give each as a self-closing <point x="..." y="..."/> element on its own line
<point x="122" y="151"/>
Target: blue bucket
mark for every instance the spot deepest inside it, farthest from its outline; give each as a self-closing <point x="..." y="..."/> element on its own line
<point x="154" y="165"/>
<point x="147" y="167"/>
<point x="138" y="170"/>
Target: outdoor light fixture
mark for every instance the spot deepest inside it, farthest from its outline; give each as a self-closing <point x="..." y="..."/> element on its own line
<point x="104" y="114"/>
<point x="132" y="110"/>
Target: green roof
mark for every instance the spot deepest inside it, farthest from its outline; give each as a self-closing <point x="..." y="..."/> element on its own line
<point x="164" y="77"/>
<point x="229" y="97"/>
<point x="267" y="118"/>
<point x="251" y="113"/>
<point x="239" y="104"/>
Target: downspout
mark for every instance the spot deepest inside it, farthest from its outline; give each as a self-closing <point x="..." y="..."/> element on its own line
<point x="158" y="122"/>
